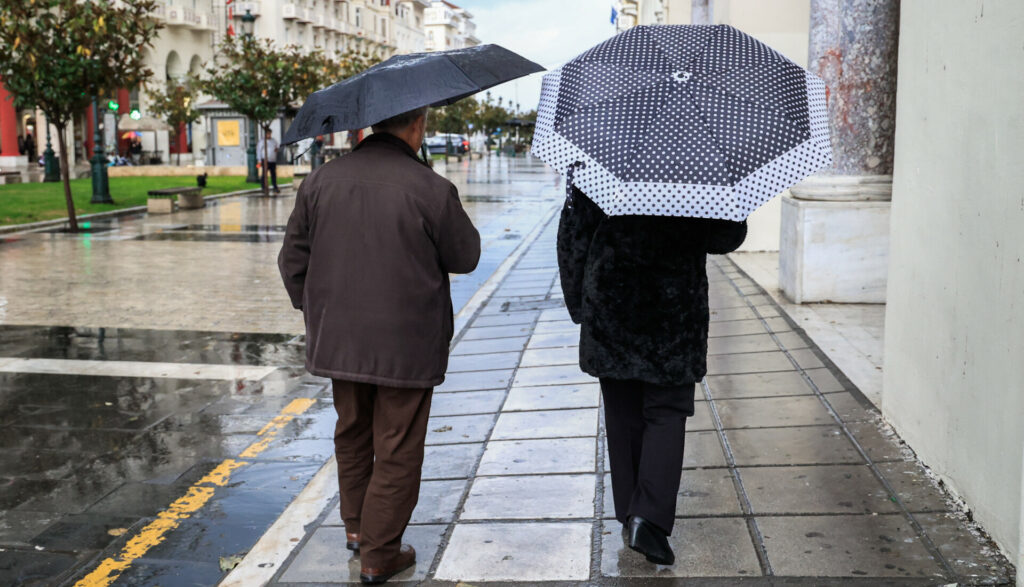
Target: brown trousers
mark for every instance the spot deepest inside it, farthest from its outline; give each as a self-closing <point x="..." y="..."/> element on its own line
<point x="378" y="442"/>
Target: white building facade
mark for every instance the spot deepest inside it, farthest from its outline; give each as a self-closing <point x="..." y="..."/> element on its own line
<point x="448" y="26"/>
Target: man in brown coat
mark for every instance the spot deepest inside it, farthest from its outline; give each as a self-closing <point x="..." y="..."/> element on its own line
<point x="366" y="257"/>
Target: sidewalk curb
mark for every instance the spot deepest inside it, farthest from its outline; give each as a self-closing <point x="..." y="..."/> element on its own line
<point x="275" y="546"/>
<point x="277" y="543"/>
<point x="43" y="224"/>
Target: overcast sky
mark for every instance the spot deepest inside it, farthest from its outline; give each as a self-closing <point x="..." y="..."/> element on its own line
<point x="549" y="32"/>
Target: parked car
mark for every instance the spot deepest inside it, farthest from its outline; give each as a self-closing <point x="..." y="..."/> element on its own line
<point x="437" y="144"/>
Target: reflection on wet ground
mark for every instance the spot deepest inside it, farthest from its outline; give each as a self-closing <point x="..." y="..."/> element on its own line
<point x="114" y="397"/>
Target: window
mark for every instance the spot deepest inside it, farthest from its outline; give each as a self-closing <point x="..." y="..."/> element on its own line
<point x="359" y="17"/>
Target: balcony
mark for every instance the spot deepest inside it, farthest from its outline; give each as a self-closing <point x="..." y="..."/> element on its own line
<point x="304" y="15"/>
<point x="289" y="11"/>
<point x="253" y="8"/>
<point x="319" y="21"/>
<point x="181" y="16"/>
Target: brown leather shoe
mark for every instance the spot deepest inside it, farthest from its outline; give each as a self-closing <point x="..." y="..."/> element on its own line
<point x="405" y="559"/>
<point x="352" y="541"/>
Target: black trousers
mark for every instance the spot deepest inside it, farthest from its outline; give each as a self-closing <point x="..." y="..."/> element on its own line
<point x="272" y="167"/>
<point x="646" y="426"/>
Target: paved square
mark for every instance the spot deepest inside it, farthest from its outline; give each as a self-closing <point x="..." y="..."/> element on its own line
<point x="530" y="497"/>
<point x="546" y="424"/>
<point x="552" y="397"/>
<point x="528" y="457"/>
<point x="704" y="547"/>
<point x="509" y="552"/>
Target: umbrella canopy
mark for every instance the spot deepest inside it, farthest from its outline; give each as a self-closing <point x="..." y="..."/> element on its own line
<point x="404" y="83"/>
<point x="131" y="134"/>
<point x="126" y="122"/>
<point x="682" y="120"/>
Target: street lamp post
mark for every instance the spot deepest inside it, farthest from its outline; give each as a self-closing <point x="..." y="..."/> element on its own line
<point x="100" y="182"/>
<point x="50" y="168"/>
<point x="248" y="24"/>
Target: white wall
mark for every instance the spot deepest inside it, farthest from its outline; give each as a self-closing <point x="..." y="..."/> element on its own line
<point x="954" y="336"/>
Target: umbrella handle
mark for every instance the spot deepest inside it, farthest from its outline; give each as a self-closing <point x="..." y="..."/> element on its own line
<point x="569" y="175"/>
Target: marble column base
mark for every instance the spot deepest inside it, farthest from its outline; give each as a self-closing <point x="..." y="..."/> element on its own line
<point x="8" y="163"/>
<point x="834" y="251"/>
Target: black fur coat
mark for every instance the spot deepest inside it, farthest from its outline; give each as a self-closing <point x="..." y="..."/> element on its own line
<point x="639" y="288"/>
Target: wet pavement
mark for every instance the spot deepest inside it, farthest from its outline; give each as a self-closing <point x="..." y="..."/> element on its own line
<point x="790" y="475"/>
<point x="155" y="418"/>
<point x="156" y="425"/>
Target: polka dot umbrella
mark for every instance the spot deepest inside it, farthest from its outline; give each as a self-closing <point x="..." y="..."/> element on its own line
<point x="682" y="120"/>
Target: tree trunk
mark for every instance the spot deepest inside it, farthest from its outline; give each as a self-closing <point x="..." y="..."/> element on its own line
<point x="64" y="177"/>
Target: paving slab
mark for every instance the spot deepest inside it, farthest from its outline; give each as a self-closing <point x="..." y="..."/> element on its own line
<point x="531" y="457"/>
<point x="544" y="357"/>
<point x="486" y="332"/>
<point x="551" y="397"/>
<point x="483" y="362"/>
<point x="748" y="363"/>
<point x="546" y="424"/>
<point x="805" y="445"/>
<point x="805" y="410"/>
<point x="746" y="343"/>
<point x="778" y="383"/>
<point x="702" y="492"/>
<point x="551" y="327"/>
<point x="475" y="381"/>
<point x="323" y="559"/>
<point x="822" y="489"/>
<point x="508" y="552"/>
<point x="846" y="546"/>
<point x="966" y="550"/>
<point x="530" y="497"/>
<point x="459" y="429"/>
<point x="453" y="461"/>
<point x="704" y="547"/>
<point x="559" y="375"/>
<point x="488" y="346"/>
<point x="558" y="339"/>
<point x="918" y="490"/>
<point x="466" y="402"/>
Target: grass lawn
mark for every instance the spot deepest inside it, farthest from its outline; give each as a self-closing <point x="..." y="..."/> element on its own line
<point x="32" y="202"/>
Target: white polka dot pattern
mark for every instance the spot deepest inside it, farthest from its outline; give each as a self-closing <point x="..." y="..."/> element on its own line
<point x="699" y="121"/>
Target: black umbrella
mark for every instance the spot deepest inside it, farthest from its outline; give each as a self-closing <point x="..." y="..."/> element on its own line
<point x="404" y="83"/>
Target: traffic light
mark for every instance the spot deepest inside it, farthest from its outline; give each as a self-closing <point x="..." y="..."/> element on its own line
<point x="112" y="105"/>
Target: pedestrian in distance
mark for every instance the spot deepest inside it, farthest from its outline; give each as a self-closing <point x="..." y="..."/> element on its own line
<point x="639" y="288"/>
<point x="30" y="147"/>
<point x="366" y="257"/>
<point x="269" y="163"/>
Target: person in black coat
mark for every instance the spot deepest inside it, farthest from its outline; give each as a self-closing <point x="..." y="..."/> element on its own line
<point x="638" y="287"/>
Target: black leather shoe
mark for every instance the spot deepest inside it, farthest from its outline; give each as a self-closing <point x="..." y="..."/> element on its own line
<point x="650" y="541"/>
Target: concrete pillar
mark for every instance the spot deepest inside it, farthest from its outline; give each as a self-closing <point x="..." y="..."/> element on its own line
<point x="9" y="156"/>
<point x="1019" y="563"/>
<point x="837" y="223"/>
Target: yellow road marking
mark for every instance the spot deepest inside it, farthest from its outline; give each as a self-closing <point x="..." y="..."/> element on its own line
<point x="194" y="499"/>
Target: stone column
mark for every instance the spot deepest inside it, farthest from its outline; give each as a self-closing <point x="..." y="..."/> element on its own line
<point x="835" y="226"/>
<point x="9" y="156"/>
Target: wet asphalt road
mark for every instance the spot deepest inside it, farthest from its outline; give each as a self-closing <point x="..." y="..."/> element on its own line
<point x="151" y="370"/>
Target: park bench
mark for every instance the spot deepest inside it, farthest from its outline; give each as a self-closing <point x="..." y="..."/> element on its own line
<point x="162" y="201"/>
<point x="10" y="177"/>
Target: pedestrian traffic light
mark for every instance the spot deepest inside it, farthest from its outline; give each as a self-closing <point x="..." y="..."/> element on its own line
<point x="112" y="105"/>
<point x="135" y="114"/>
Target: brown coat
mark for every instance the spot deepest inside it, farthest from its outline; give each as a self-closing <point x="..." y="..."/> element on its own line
<point x="366" y="257"/>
